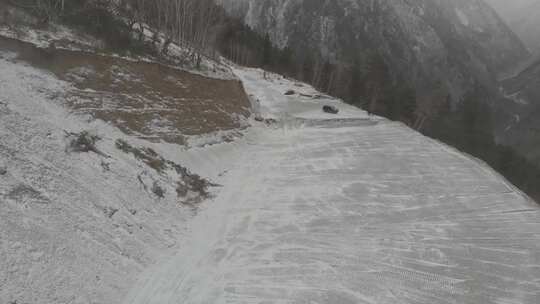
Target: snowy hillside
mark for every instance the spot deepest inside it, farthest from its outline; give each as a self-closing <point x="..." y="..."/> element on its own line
<point x="349" y="209"/>
<point x="98" y="205"/>
<point x="79" y="221"/>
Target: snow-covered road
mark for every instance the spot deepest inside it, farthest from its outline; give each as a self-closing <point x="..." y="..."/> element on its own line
<point x="355" y="211"/>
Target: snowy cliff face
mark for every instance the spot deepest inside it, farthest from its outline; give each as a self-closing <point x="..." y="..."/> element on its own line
<point x="427" y="41"/>
<point x="310" y="207"/>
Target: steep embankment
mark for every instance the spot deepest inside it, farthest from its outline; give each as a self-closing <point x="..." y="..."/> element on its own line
<point x="349" y="209"/>
<point x="328" y="208"/>
<point x="302" y="206"/>
<point x="80" y="220"/>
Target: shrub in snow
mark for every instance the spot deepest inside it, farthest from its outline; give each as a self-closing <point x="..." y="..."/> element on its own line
<point x="191" y="188"/>
<point x="106" y="166"/>
<point x="110" y="211"/>
<point x="270" y="121"/>
<point x="182" y="189"/>
<point x="83" y="142"/>
<point x="191" y="183"/>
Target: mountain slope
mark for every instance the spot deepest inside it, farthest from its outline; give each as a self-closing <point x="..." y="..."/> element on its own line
<point x="349" y="208"/>
<point x="427" y="43"/>
<point x="520" y="109"/>
<point x="335" y="209"/>
<point x="75" y="227"/>
<point x="82" y="216"/>
<point x="522" y="17"/>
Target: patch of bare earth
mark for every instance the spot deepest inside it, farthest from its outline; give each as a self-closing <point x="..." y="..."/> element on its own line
<point x="144" y="99"/>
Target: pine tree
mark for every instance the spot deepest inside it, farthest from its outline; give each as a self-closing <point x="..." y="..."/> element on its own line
<point x="267" y="59"/>
<point x="377" y="80"/>
<point x="355" y="87"/>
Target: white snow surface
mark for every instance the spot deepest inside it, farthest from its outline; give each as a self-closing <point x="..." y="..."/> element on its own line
<point x="72" y="231"/>
<point x="346" y="208"/>
<point x="462" y="17"/>
<point x="314" y="208"/>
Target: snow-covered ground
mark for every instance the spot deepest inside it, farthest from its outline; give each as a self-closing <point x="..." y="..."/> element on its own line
<point x="321" y="208"/>
<point x="311" y="208"/>
<point x="76" y="227"/>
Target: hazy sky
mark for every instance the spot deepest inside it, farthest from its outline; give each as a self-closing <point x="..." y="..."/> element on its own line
<point x="515" y="8"/>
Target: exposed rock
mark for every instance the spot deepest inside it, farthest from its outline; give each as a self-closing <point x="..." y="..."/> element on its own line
<point x="290" y="92"/>
<point x="270" y="121"/>
<point x="267" y="121"/>
<point x="110" y="211"/>
<point x="106" y="166"/>
<point x="83" y="142"/>
<point x="330" y="109"/>
<point x="158" y="190"/>
<point x="522" y="17"/>
<point x="146" y="155"/>
<point x="27" y="194"/>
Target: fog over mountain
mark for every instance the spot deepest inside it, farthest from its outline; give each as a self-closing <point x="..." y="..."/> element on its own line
<point x="452" y="54"/>
<point x="523" y="17"/>
<point x="440" y="48"/>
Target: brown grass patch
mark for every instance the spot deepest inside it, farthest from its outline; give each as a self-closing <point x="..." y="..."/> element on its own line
<point x="149" y="100"/>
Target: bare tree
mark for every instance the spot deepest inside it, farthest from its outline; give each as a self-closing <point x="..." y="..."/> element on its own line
<point x="187" y="23"/>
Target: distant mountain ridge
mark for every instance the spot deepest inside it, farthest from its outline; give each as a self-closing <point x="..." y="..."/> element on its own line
<point x="433" y="44"/>
<point x="519" y="108"/>
<point x="521" y="105"/>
